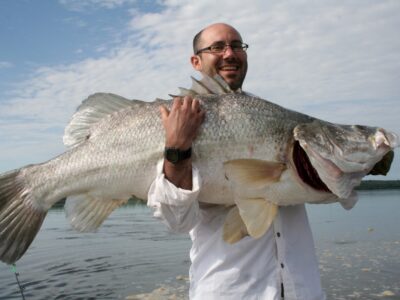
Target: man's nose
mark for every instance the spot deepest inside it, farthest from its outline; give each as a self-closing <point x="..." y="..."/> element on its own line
<point x="228" y="52"/>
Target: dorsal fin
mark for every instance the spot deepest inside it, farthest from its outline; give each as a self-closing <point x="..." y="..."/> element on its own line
<point x="100" y="105"/>
<point x="216" y="84"/>
<point x="91" y="111"/>
<point x="187" y="92"/>
<point x="207" y="85"/>
<point x="199" y="87"/>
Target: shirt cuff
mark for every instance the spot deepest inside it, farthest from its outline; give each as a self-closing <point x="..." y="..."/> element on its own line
<point x="168" y="193"/>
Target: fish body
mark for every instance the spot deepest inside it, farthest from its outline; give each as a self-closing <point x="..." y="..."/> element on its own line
<point x="252" y="155"/>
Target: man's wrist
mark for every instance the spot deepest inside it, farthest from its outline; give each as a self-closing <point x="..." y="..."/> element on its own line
<point x="179" y="174"/>
<point x="176" y="156"/>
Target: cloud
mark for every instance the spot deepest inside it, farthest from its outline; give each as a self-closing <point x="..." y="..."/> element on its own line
<point x="5" y="65"/>
<point x="298" y="51"/>
<point x="335" y="60"/>
<point x="82" y="5"/>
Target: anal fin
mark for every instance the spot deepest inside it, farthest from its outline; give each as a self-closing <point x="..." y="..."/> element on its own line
<point x="86" y="213"/>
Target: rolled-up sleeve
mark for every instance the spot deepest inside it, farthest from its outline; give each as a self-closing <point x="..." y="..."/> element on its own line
<point x="176" y="207"/>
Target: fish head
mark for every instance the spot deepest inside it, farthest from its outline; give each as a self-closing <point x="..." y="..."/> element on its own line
<point x="342" y="155"/>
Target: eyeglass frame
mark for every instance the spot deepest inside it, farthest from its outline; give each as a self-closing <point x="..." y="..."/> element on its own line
<point x="243" y="48"/>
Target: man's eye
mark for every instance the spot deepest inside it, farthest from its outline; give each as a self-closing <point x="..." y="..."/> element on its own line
<point x="217" y="48"/>
<point x="236" y="46"/>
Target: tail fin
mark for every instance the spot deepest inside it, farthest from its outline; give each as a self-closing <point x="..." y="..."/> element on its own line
<point x="20" y="220"/>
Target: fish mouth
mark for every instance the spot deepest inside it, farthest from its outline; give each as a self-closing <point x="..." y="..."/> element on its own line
<point x="335" y="158"/>
<point x="305" y="170"/>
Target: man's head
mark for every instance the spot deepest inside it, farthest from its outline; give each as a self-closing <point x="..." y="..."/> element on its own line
<point x="230" y="64"/>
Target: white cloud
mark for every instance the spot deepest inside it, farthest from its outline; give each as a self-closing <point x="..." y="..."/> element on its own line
<point x="335" y="60"/>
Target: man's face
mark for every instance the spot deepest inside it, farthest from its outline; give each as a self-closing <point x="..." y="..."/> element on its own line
<point x="230" y="65"/>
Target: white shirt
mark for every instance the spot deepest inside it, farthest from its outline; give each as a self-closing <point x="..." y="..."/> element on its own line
<point x="251" y="269"/>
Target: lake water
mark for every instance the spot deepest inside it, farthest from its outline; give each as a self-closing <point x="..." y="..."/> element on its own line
<point x="132" y="256"/>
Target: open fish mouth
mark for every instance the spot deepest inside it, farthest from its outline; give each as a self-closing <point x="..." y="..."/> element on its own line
<point x="334" y="158"/>
<point x="307" y="173"/>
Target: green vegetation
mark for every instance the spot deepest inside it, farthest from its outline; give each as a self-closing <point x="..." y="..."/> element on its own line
<point x="133" y="201"/>
<point x="379" y="185"/>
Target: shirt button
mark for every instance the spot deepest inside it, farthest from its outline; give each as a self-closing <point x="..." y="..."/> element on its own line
<point x="278" y="234"/>
<point x="282" y="266"/>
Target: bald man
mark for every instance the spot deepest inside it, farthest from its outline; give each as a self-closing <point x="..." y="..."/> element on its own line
<point x="281" y="264"/>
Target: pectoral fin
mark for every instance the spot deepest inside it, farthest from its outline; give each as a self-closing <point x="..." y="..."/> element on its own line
<point x="234" y="228"/>
<point x="253" y="173"/>
<point x="257" y="215"/>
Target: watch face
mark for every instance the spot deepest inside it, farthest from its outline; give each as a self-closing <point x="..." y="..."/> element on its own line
<point x="172" y="155"/>
<point x="175" y="155"/>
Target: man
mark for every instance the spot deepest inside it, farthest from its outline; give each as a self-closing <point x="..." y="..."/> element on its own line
<point x="282" y="263"/>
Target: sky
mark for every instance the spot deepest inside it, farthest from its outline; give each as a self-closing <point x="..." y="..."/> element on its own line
<point x="334" y="60"/>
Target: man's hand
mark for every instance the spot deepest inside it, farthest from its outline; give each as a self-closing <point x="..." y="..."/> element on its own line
<point x="181" y="126"/>
<point x="182" y="123"/>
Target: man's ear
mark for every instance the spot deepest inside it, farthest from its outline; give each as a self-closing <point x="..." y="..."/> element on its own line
<point x="196" y="62"/>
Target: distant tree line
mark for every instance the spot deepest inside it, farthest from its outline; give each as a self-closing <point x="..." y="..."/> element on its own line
<point x="379" y="185"/>
<point x="133" y="201"/>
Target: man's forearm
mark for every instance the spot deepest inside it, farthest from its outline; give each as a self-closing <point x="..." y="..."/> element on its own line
<point x="179" y="174"/>
<point x="181" y="126"/>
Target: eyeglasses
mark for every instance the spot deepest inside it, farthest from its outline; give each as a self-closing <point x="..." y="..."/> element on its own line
<point x="221" y="47"/>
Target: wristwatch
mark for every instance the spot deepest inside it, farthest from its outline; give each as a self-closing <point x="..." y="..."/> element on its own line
<point x="174" y="155"/>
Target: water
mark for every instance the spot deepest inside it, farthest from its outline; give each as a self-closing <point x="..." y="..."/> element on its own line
<point x="359" y="250"/>
<point x="132" y="253"/>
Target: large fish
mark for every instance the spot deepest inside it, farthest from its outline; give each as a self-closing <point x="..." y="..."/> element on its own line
<point x="253" y="155"/>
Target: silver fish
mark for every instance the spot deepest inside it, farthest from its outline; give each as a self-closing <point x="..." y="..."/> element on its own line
<point x="252" y="154"/>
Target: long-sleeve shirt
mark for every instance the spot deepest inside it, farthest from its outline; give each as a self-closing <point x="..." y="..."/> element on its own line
<point x="281" y="262"/>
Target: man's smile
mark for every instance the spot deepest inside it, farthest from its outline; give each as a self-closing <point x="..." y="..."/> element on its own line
<point x="229" y="68"/>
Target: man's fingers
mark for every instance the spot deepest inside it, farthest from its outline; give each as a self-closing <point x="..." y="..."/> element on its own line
<point x="164" y="112"/>
<point x="196" y="105"/>
<point x="177" y="103"/>
<point x="187" y="102"/>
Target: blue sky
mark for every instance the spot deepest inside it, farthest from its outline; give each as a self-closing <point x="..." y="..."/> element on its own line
<point x="51" y="32"/>
<point x="336" y="60"/>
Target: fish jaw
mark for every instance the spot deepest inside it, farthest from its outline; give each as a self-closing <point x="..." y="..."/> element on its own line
<point x="342" y="155"/>
<point x="335" y="180"/>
